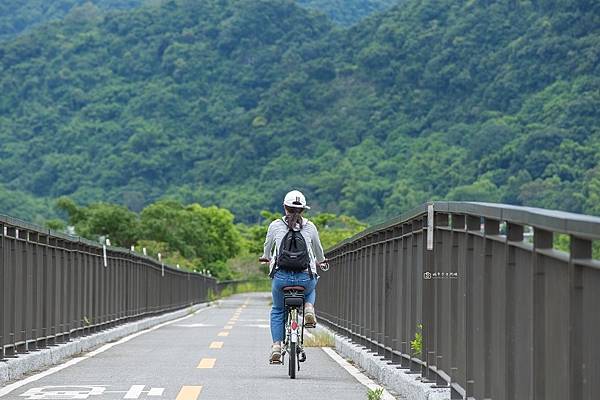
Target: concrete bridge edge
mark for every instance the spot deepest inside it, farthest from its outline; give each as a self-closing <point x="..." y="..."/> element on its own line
<point x="403" y="385"/>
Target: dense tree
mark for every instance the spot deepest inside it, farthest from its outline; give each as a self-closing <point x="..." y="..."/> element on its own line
<point x="110" y="221"/>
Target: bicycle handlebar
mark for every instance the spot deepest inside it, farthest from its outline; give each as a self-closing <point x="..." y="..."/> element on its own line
<point x="324" y="265"/>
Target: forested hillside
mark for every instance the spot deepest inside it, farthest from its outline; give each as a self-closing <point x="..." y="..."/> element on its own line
<point x="232" y="102"/>
<point x="348" y="12"/>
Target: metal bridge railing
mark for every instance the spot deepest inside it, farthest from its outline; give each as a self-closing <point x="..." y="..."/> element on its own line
<point x="502" y="317"/>
<point x="55" y="287"/>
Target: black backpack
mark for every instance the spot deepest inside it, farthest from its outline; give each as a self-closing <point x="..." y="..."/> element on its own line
<point x="293" y="253"/>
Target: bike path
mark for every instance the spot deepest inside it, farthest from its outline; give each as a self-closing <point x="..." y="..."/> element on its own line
<point x="218" y="353"/>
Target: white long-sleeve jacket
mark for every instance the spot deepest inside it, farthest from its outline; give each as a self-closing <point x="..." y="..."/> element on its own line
<point x="278" y="229"/>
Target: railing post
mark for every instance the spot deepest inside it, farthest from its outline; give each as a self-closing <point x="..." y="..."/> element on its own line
<point x="457" y="293"/>
<point x="427" y="299"/>
<point x="473" y="225"/>
<point x="580" y="249"/>
<point x="415" y="276"/>
<point x="491" y="228"/>
<point x="394" y="314"/>
<point x="405" y="361"/>
<point x="514" y="234"/>
<point x="442" y="298"/>
<point x="542" y="240"/>
<point x="2" y="294"/>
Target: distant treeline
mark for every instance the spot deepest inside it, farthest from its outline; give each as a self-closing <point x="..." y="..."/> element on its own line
<point x="194" y="237"/>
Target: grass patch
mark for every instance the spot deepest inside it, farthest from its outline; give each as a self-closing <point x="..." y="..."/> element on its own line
<point x="375" y="394"/>
<point x="212" y="296"/>
<point x="319" y="339"/>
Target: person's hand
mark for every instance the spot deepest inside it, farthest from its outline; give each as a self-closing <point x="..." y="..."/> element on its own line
<point x="324" y="265"/>
<point x="263" y="260"/>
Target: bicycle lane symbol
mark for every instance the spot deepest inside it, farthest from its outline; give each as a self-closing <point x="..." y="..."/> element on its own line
<point x="63" y="392"/>
<point x="87" y="392"/>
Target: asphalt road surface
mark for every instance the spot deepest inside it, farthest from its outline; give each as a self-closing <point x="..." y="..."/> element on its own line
<point x="218" y="353"/>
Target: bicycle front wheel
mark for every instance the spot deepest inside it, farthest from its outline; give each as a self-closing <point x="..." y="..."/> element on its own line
<point x="293" y="359"/>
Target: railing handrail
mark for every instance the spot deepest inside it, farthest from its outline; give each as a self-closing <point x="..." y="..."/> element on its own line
<point x="580" y="225"/>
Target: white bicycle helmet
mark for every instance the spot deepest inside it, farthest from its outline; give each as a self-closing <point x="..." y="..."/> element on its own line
<point x="295" y="199"/>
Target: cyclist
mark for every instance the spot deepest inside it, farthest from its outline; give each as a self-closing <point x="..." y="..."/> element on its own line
<point x="294" y="205"/>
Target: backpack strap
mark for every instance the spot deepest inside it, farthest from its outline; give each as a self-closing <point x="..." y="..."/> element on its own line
<point x="275" y="268"/>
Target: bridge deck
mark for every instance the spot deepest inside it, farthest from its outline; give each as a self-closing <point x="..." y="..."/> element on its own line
<point x="166" y="363"/>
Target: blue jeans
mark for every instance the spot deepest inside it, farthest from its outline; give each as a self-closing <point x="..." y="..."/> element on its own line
<point x="288" y="278"/>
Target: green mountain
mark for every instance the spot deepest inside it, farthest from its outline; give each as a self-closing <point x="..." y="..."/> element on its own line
<point x="232" y="102"/>
<point x="348" y="12"/>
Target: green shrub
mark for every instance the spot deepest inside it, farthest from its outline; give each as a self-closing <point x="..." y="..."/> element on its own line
<point x="416" y="345"/>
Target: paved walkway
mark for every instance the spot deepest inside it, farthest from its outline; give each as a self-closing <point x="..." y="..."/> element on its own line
<point x="218" y="353"/>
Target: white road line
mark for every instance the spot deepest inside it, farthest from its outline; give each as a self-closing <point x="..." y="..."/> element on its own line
<point x="156" y="392"/>
<point x="195" y="325"/>
<point x="9" y="388"/>
<point x="359" y="376"/>
<point x="135" y="392"/>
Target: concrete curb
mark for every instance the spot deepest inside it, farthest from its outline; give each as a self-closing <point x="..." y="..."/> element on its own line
<point x="17" y="368"/>
<point x="403" y="385"/>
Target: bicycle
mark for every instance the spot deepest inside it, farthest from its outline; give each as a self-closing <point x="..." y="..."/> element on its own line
<point x="293" y="299"/>
<point x="293" y="344"/>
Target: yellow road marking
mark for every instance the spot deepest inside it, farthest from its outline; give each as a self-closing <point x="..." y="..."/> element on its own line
<point x="230" y="322"/>
<point x="223" y="333"/>
<point x="228" y="327"/>
<point x="207" y="363"/>
<point x="216" y="345"/>
<point x="244" y="305"/>
<point x="189" y="393"/>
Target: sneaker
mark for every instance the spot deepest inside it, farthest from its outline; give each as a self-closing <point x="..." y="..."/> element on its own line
<point x="275" y="354"/>
<point x="310" y="319"/>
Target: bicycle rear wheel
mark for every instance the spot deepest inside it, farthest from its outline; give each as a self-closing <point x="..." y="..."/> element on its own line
<point x="293" y="359"/>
